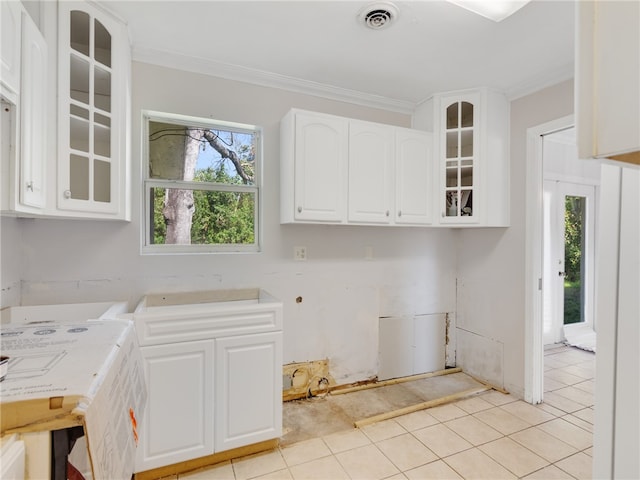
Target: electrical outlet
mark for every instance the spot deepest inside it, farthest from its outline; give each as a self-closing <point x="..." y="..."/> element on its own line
<point x="300" y="254"/>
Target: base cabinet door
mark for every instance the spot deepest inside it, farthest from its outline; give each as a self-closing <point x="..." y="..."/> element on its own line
<point x="248" y="389"/>
<point x="178" y="420"/>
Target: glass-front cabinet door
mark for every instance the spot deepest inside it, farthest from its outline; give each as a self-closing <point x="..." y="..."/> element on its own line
<point x="459" y="160"/>
<point x="91" y="111"/>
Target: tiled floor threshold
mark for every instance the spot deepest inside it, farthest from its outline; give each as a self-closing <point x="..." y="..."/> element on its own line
<point x="490" y="435"/>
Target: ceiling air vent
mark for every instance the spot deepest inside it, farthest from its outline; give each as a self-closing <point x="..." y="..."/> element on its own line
<point x="378" y="15"/>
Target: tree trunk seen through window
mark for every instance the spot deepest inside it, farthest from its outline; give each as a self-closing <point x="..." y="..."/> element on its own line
<point x="178" y="206"/>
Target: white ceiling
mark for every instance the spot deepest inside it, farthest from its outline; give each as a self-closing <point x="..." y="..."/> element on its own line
<point x="322" y="47"/>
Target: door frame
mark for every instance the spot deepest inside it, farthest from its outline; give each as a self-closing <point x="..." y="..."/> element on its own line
<point x="534" y="344"/>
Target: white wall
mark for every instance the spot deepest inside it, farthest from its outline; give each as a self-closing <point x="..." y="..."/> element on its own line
<point x="491" y="262"/>
<point x="10" y="260"/>
<point x="412" y="272"/>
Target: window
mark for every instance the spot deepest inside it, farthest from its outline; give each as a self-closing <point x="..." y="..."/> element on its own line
<point x="201" y="185"/>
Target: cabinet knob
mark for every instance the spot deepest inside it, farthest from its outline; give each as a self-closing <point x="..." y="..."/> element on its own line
<point x="67" y="194"/>
<point x="299" y="209"/>
<point x="387" y="213"/>
<point x="399" y="213"/>
<point x="30" y="186"/>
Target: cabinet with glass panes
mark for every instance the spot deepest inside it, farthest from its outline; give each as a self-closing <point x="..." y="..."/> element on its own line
<point x="93" y="91"/>
<point x="471" y="135"/>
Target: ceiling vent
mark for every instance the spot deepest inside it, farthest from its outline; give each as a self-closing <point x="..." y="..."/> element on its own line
<point x="379" y="15"/>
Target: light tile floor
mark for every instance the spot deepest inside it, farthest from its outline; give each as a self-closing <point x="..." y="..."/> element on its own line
<point x="488" y="436"/>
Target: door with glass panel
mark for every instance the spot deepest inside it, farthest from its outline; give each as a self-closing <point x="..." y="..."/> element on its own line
<point x="569" y="237"/>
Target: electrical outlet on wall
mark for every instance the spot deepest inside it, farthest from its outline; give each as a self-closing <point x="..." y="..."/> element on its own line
<point x="300" y="254"/>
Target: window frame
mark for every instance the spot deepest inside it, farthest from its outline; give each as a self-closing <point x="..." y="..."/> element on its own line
<point x="148" y="183"/>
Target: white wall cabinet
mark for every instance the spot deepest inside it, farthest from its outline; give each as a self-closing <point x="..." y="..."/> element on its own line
<point x="93" y="113"/>
<point x="213" y="368"/>
<point x="313" y="168"/>
<point x="414" y="172"/>
<point x="371" y="161"/>
<point x="471" y="136"/>
<point x="24" y="127"/>
<point x="33" y="144"/>
<point x="11" y="19"/>
<point x="89" y="73"/>
<point x="607" y="79"/>
<point x="339" y="170"/>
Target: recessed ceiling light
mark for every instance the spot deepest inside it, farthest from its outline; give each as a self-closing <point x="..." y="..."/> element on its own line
<point x="496" y="10"/>
<point x="378" y="15"/>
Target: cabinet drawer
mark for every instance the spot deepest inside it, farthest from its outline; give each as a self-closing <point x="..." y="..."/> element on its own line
<point x="184" y="323"/>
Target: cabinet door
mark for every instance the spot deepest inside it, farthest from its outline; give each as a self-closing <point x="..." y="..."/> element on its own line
<point x="459" y="158"/>
<point x="93" y="62"/>
<point x="33" y="115"/>
<point x="178" y="418"/>
<point x="320" y="168"/>
<point x="248" y="389"/>
<point x="414" y="177"/>
<point x="10" y="18"/>
<point x="607" y="79"/>
<point x="370" y="172"/>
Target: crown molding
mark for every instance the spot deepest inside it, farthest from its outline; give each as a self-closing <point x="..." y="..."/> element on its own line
<point x="268" y="79"/>
<point x="540" y="82"/>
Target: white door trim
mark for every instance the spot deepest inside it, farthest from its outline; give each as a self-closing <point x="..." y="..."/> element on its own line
<point x="533" y="341"/>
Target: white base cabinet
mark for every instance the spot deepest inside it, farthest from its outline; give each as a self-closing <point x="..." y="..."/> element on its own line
<point x="178" y="421"/>
<point x="213" y="369"/>
<point x="244" y="372"/>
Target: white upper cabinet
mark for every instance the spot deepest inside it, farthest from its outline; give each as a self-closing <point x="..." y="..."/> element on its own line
<point x="33" y="153"/>
<point x="313" y="169"/>
<point x="93" y="113"/>
<point x="10" y="20"/>
<point x="471" y="133"/>
<point x="371" y="159"/>
<point x="346" y="171"/>
<point x="607" y="80"/>
<point x="24" y="126"/>
<point x="413" y="177"/>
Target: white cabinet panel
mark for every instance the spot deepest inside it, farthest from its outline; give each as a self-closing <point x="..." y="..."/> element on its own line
<point x="248" y="389"/>
<point x="413" y="177"/>
<point x="178" y="419"/>
<point x="314" y="150"/>
<point x="10" y="18"/>
<point x="94" y="63"/>
<point x="371" y="159"/>
<point x="33" y="152"/>
<point x="607" y="79"/>
<point x="616" y="434"/>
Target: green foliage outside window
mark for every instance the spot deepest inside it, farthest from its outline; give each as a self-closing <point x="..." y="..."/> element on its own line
<point x="574" y="213"/>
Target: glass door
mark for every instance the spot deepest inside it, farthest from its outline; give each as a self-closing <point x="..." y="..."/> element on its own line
<point x="569" y="236"/>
